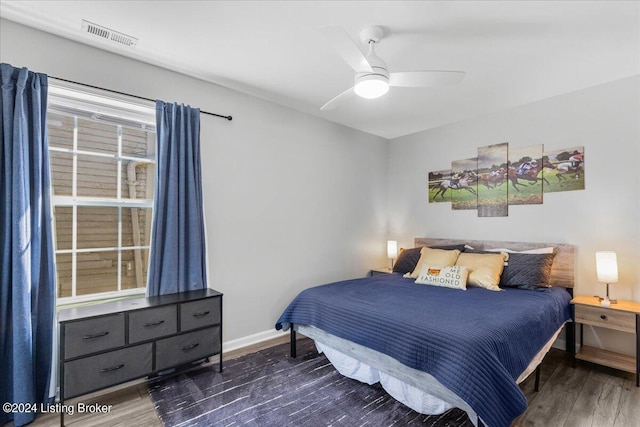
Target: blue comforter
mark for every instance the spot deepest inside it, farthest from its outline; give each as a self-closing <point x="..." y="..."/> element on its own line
<point x="475" y="342"/>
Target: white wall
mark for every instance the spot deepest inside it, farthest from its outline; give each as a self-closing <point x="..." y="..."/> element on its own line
<point x="291" y="200"/>
<point x="605" y="216"/>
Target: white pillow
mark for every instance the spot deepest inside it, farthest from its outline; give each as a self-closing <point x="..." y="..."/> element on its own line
<point x="548" y="250"/>
<point x="447" y="277"/>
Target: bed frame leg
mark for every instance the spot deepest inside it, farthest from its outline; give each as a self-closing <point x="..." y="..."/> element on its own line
<point x="293" y="342"/>
<point x="570" y="339"/>
<point x="537" y="383"/>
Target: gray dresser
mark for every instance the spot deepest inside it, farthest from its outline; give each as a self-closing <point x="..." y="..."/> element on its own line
<point x="107" y="344"/>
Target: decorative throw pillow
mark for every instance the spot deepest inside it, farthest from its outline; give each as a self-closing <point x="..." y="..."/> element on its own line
<point x="429" y="256"/>
<point x="484" y="269"/>
<point x="527" y="271"/>
<point x="448" y="277"/>
<point x="408" y="258"/>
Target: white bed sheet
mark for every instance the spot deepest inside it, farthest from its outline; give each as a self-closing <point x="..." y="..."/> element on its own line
<point x="418" y="390"/>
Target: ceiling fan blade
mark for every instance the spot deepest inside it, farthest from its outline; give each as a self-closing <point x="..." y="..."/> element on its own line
<point x="346" y="48"/>
<point x="425" y="78"/>
<point x="338" y="99"/>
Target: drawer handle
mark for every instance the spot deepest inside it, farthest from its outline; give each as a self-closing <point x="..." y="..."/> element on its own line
<point x="189" y="347"/>
<point x="159" y="322"/>
<point x="201" y="314"/>
<point x="90" y="337"/>
<point x="114" y="368"/>
<point x="603" y="316"/>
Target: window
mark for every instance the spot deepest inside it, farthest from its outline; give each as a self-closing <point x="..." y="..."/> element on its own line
<point x="102" y="157"/>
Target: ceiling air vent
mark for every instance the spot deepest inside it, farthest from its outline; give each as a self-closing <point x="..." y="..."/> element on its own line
<point x="108" y="34"/>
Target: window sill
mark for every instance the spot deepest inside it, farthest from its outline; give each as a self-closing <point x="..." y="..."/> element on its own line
<point x="78" y="301"/>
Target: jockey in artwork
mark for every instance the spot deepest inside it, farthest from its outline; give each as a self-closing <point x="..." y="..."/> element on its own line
<point x="524" y="167"/>
<point x="497" y="173"/>
<point x="455" y="180"/>
<point x="576" y="160"/>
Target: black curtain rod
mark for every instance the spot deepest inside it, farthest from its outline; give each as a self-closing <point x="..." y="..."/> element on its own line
<point x="133" y="96"/>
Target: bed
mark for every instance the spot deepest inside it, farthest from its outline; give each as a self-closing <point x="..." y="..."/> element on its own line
<point x="434" y="347"/>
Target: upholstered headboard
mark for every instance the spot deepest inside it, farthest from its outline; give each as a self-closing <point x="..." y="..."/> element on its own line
<point x="562" y="272"/>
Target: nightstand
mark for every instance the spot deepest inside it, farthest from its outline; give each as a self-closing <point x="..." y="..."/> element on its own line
<point x="380" y="270"/>
<point x="623" y="316"/>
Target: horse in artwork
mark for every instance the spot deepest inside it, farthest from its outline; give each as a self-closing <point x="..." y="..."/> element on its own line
<point x="492" y="179"/>
<point x="530" y="174"/>
<point x="461" y="184"/>
<point x="569" y="168"/>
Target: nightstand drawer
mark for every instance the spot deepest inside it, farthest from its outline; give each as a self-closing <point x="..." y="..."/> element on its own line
<point x="606" y="318"/>
<point x="93" y="335"/>
<point x="152" y="323"/>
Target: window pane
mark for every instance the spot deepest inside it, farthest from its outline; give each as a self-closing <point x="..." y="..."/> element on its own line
<point x="147" y="182"/>
<point x="60" y="129"/>
<point x="61" y="172"/>
<point x="97" y="176"/>
<point x="63" y="268"/>
<point x="136" y="224"/>
<point x="97" y="272"/>
<point x="97" y="136"/>
<point x="64" y="226"/>
<point x="137" y="143"/>
<point x="97" y="227"/>
<point x="134" y="269"/>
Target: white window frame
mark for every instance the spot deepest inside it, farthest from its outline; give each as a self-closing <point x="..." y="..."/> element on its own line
<point x="76" y="101"/>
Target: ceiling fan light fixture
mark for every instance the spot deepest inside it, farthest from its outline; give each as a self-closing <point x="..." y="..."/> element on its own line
<point x="372" y="77"/>
<point x="371" y="86"/>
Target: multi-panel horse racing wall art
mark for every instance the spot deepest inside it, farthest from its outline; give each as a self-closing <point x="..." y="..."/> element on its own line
<point x="502" y="175"/>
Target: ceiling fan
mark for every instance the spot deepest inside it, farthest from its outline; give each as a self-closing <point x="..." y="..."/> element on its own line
<point x="372" y="77"/>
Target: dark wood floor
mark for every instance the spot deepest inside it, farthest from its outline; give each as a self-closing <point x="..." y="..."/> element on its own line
<point x="587" y="396"/>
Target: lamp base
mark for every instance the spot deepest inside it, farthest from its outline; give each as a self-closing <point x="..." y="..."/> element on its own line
<point x="607" y="300"/>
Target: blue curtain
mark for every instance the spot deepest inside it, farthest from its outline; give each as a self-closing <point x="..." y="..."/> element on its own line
<point x="177" y="259"/>
<point x="27" y="275"/>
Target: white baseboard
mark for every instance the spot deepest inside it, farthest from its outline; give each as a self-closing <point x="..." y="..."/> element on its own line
<point x="231" y="345"/>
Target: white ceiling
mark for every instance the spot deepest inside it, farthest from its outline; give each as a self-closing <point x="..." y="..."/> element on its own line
<point x="514" y="52"/>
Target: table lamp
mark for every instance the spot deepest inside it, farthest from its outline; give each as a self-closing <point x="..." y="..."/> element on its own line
<point x="607" y="270"/>
<point x="392" y="251"/>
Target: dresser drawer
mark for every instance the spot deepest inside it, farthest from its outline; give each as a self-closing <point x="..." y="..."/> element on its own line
<point x="152" y="323"/>
<point x="201" y="313"/>
<point x="606" y="318"/>
<point x="107" y="369"/>
<point x="93" y="335"/>
<point x="187" y="347"/>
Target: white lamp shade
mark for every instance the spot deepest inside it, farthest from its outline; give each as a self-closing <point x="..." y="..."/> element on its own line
<point x="607" y="267"/>
<point x="392" y="249"/>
